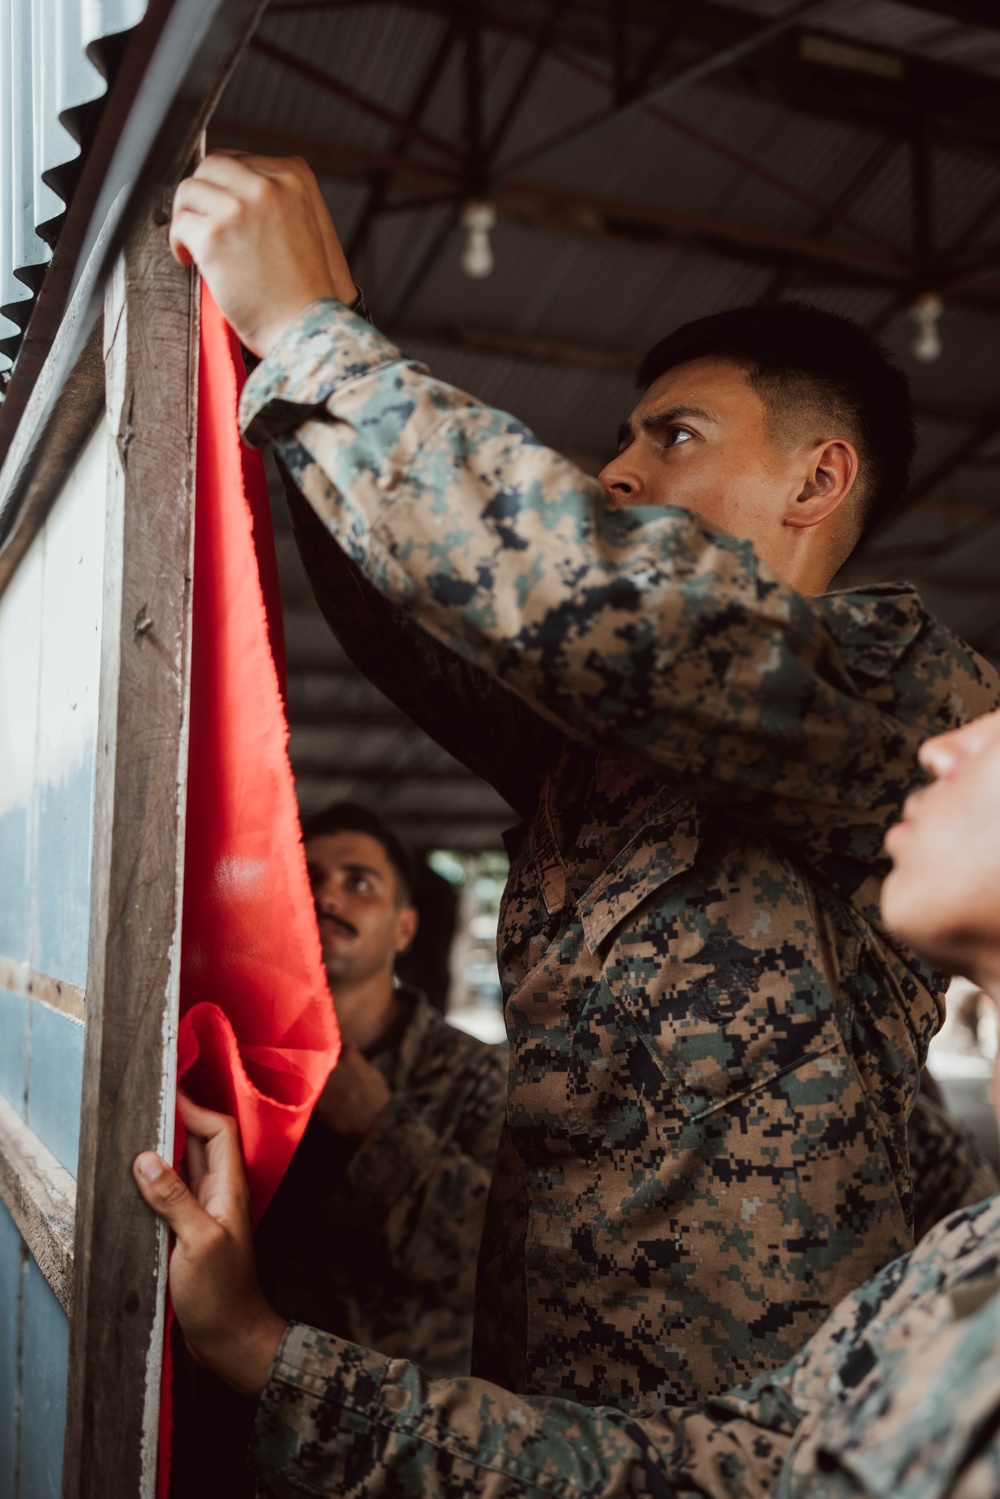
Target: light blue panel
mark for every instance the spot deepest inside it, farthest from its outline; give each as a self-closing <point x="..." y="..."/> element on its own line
<point x="72" y="593"/>
<point x="15" y="883"/>
<point x="20" y="652"/>
<point x="13" y="1051"/>
<point x="55" y="1082"/>
<point x="62" y="907"/>
<point x="10" y="1313"/>
<point x="44" y="1358"/>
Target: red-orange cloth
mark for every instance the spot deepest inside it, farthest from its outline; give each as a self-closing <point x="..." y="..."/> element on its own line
<point x="257" y="1035"/>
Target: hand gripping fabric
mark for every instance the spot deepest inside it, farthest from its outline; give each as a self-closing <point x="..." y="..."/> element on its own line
<point x="257" y="1036"/>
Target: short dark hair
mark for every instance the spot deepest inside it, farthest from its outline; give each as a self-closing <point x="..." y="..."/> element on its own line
<point x="352" y="817"/>
<point x="804" y="362"/>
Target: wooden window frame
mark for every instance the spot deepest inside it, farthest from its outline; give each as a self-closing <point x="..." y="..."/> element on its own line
<point x="101" y="1251"/>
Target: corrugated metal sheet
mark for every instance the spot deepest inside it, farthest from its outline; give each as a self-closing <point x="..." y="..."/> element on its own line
<point x="54" y="59"/>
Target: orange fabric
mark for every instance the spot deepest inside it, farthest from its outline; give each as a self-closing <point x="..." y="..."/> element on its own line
<point x="257" y="1035"/>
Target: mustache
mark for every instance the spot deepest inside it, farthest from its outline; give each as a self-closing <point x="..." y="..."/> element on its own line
<point x="339" y="921"/>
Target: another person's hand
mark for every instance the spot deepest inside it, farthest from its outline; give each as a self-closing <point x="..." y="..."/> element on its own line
<point x="354" y="1096"/>
<point x="259" y="231"/>
<point x="228" y="1325"/>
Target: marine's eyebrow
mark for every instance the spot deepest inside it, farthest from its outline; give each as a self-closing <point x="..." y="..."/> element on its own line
<point x="364" y="869"/>
<point x="655" y="421"/>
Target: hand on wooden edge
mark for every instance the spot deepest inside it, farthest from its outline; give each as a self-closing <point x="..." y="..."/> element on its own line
<point x="228" y="1325"/>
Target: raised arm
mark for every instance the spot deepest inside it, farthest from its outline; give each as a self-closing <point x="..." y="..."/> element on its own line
<point x="459" y="704"/>
<point x="642" y="633"/>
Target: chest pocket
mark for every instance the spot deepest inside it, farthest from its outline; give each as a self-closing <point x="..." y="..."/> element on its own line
<point x="710" y="946"/>
<point x="664" y="847"/>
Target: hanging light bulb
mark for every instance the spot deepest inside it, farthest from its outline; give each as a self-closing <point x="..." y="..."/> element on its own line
<point x="926" y="313"/>
<point x="477" y="256"/>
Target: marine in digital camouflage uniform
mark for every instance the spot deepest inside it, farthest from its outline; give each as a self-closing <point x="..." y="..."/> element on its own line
<point x="378" y="1239"/>
<point x="897" y="1396"/>
<point x="714" y="1045"/>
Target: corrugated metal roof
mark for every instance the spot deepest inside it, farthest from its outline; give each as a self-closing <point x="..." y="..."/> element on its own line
<point x="54" y="57"/>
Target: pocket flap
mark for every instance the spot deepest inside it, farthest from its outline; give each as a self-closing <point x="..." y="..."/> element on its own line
<point x="665" y="846"/>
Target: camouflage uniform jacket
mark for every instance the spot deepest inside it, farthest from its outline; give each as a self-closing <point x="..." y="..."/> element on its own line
<point x="378" y="1241"/>
<point x="897" y="1396"/>
<point x="714" y="1047"/>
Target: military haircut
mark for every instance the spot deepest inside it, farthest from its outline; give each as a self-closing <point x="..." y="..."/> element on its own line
<point x="352" y="817"/>
<point x="819" y="376"/>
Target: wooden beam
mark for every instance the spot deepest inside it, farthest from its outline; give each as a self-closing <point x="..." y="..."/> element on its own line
<point x="827" y="215"/>
<point x="40" y="1196"/>
<point x="379" y="191"/>
<point x="21" y="978"/>
<point x="602" y="216"/>
<point x="307" y="71"/>
<point x="515" y="99"/>
<point x="684" y="76"/>
<point x="116" y="1336"/>
<point x="958" y="101"/>
<point x="538" y="350"/>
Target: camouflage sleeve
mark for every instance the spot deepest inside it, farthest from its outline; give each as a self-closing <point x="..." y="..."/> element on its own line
<point x="465" y="709"/>
<point x="335" y="1419"/>
<point x="895" y="1394"/>
<point x="645" y="634"/>
<point x="425" y="1192"/>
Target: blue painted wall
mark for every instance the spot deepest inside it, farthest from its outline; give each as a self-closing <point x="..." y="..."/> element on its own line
<point x="14" y="1022"/>
<point x="55" y="1082"/>
<point x="50" y="617"/>
<point x="11" y="1254"/>
<point x="44" y="1349"/>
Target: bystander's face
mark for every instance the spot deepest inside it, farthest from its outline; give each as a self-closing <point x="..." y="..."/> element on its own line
<point x="363" y="921"/>
<point x="943" y="893"/>
<point x="699" y="439"/>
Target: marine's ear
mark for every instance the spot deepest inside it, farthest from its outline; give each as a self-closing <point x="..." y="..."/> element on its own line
<point x="830" y="472"/>
<point x="407" y="921"/>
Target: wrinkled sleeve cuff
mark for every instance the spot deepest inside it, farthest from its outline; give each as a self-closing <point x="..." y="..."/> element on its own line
<point x="395" y="1153"/>
<point x="326" y="346"/>
<point x="315" y="1382"/>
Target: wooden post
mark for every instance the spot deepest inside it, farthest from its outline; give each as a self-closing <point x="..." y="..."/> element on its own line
<point x="116" y="1340"/>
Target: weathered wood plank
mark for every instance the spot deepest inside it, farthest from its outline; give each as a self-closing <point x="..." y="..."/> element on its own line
<point x="21" y="978"/>
<point x="40" y="1196"/>
<point x="132" y="985"/>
